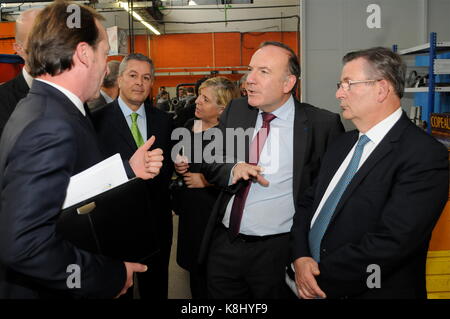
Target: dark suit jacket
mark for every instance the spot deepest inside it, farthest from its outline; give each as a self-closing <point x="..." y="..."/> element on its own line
<point x="314" y="130"/>
<point x="115" y="137"/>
<point x="385" y="216"/>
<point x="11" y="93"/>
<point x="46" y="141"/>
<point x="97" y="103"/>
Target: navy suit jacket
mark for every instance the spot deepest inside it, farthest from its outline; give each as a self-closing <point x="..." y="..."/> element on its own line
<point x="314" y="130"/>
<point x="11" y="93"/>
<point x="46" y="141"/>
<point x="385" y="216"/>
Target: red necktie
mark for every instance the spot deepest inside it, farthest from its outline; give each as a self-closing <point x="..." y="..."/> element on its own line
<point x="255" y="151"/>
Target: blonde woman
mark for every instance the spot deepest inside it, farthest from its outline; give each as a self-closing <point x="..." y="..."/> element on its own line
<point x="196" y="200"/>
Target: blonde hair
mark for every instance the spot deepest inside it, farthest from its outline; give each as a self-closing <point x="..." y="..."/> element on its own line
<point x="224" y="89"/>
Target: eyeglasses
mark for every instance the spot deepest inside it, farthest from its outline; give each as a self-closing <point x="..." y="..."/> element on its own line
<point x="348" y="83"/>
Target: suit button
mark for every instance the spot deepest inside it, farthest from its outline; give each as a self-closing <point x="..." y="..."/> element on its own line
<point x="324" y="250"/>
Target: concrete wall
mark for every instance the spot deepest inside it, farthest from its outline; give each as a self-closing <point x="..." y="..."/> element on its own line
<point x="438" y="18"/>
<point x="331" y="28"/>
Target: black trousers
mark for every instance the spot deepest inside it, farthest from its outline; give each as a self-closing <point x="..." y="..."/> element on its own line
<point x="198" y="286"/>
<point x="154" y="283"/>
<point x="247" y="269"/>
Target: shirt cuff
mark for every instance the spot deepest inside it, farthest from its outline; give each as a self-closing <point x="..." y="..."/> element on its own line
<point x="231" y="173"/>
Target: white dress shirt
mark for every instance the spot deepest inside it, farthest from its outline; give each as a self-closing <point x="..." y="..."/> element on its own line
<point x="28" y="78"/>
<point x="269" y="210"/>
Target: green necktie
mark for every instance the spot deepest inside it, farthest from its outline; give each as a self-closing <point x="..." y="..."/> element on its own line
<point x="135" y="130"/>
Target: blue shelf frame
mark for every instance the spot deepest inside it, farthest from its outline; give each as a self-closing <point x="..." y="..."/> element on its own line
<point x="431" y="97"/>
<point x="431" y="79"/>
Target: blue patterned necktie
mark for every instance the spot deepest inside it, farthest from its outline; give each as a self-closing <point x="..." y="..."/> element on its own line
<point x="323" y="219"/>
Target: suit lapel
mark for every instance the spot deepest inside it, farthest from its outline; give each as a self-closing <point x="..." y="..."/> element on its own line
<point x="302" y="140"/>
<point x="86" y="120"/>
<point x="252" y="116"/>
<point x="386" y="146"/>
<point x="249" y="121"/>
<point x="328" y="170"/>
<point x="121" y="125"/>
<point x="152" y="123"/>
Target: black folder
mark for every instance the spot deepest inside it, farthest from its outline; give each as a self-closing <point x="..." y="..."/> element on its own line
<point x="117" y="223"/>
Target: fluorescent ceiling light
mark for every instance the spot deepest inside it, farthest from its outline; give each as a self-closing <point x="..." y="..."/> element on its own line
<point x="124" y="5"/>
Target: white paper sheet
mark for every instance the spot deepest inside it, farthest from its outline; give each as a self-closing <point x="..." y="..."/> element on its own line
<point x="95" y="180"/>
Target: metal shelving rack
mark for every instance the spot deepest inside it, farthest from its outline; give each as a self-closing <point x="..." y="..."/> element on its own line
<point x="432" y="49"/>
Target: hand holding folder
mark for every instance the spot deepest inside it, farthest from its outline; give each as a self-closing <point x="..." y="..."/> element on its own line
<point x="117" y="222"/>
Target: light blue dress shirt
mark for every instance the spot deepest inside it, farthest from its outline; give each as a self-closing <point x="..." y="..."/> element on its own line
<point x="141" y="119"/>
<point x="269" y="210"/>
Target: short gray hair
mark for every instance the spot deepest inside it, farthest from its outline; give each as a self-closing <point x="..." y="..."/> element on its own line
<point x="111" y="79"/>
<point x="137" y="57"/>
<point x="384" y="64"/>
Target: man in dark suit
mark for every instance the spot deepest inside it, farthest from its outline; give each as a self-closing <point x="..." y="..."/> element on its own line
<point x="247" y="256"/>
<point x="109" y="90"/>
<point x="119" y="126"/>
<point x="47" y="140"/>
<point x="16" y="89"/>
<point x="363" y="230"/>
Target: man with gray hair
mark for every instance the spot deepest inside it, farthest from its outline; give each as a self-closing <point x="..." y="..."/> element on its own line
<point x="16" y="89"/>
<point x="110" y="88"/>
<point x="122" y="126"/>
<point x="362" y="230"/>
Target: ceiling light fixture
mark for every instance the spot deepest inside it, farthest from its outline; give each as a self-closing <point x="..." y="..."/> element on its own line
<point x="124" y="5"/>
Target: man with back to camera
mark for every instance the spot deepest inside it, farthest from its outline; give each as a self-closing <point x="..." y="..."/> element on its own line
<point x="378" y="196"/>
<point x="246" y="242"/>
<point x="47" y="140"/>
<point x="16" y="89"/>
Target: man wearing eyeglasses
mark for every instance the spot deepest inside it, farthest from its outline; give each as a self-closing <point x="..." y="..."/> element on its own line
<point x="363" y="229"/>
